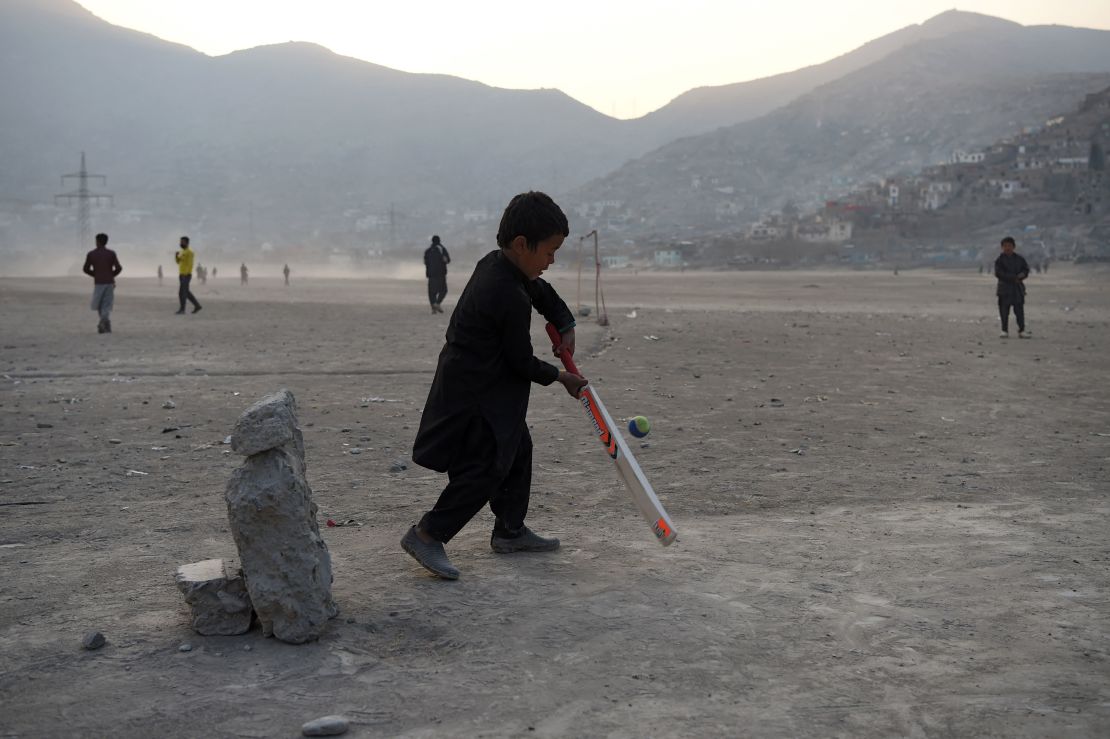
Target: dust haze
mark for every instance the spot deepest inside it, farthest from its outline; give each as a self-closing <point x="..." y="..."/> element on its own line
<point x="146" y="267"/>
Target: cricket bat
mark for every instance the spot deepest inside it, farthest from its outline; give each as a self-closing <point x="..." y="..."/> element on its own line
<point x="627" y="467"/>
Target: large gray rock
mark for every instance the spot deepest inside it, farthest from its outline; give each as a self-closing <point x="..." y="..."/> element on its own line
<point x="268" y="424"/>
<point x="217" y="594"/>
<point x="273" y="520"/>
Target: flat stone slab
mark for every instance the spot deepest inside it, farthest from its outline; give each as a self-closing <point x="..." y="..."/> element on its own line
<point x="217" y="594"/>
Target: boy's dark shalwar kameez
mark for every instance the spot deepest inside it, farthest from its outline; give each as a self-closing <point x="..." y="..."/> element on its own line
<point x="1011" y="269"/>
<point x="436" y="260"/>
<point x="473" y="426"/>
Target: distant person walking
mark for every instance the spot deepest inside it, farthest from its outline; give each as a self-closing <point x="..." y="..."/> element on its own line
<point x="436" y="260"/>
<point x="243" y="273"/>
<point x="286" y="273"/>
<point x="184" y="259"/>
<point x="1011" y="269"/>
<point x="159" y="275"/>
<point x="213" y="273"/>
<point x="102" y="265"/>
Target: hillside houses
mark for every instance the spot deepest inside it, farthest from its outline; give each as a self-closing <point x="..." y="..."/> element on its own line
<point x="1052" y="172"/>
<point x="821" y="228"/>
<point x="1059" y="162"/>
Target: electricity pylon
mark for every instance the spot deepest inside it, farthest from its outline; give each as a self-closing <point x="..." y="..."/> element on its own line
<point x="84" y="199"/>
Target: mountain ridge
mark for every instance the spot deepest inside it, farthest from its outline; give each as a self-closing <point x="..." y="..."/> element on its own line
<point x="293" y="143"/>
<point x="914" y="109"/>
<point x="735" y="102"/>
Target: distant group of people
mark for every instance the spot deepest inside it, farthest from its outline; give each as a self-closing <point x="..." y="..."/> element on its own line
<point x="102" y="264"/>
<point x="201" y="272"/>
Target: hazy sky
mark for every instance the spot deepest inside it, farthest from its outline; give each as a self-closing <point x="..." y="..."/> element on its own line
<point x="623" y="57"/>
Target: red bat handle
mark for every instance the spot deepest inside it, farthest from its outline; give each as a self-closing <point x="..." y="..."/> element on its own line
<point x="556" y="339"/>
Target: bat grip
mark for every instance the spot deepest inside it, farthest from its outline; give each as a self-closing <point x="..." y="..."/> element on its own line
<point x="556" y="340"/>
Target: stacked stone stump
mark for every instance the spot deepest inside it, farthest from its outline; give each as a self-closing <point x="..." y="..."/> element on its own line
<point x="285" y="561"/>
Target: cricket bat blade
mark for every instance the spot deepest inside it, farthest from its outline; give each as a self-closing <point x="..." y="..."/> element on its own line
<point x="643" y="495"/>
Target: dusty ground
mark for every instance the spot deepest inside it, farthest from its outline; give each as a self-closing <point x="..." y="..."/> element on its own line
<point x="913" y="542"/>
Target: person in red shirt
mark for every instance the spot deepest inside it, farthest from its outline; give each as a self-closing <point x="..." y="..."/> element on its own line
<point x="103" y="265"/>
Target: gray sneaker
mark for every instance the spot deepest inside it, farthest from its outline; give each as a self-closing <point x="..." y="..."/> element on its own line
<point x="528" y="541"/>
<point x="431" y="557"/>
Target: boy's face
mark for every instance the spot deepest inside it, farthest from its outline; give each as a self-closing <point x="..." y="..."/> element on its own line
<point x="1007" y="248"/>
<point x="533" y="263"/>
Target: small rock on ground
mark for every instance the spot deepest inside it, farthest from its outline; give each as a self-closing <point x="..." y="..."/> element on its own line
<point x="93" y="640"/>
<point x="325" y="726"/>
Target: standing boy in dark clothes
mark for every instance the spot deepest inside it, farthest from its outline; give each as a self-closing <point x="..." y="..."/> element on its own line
<point x="103" y="265"/>
<point x="473" y="426"/>
<point x="436" y="260"/>
<point x="1011" y="269"/>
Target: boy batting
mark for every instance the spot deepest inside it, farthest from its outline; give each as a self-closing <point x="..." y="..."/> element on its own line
<point x="473" y="426"/>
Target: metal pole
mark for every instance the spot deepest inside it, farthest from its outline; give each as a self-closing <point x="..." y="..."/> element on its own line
<point x="599" y="294"/>
<point x="579" y="307"/>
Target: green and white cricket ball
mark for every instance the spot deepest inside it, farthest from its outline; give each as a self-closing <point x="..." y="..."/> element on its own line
<point x="639" y="427"/>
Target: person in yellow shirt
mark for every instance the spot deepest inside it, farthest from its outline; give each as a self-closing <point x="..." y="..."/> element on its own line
<point x="184" y="259"/>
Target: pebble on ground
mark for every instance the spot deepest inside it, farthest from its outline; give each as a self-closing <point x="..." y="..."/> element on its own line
<point x="93" y="640"/>
<point x="325" y="726"/>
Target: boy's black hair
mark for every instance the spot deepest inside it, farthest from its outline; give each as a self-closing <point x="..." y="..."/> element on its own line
<point x="185" y="240"/>
<point x="1010" y="240"/>
<point x="102" y="239"/>
<point x="533" y="215"/>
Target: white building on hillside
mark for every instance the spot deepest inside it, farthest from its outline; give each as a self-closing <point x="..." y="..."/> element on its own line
<point x="968" y="157"/>
<point x="936" y="195"/>
<point x="673" y="256"/>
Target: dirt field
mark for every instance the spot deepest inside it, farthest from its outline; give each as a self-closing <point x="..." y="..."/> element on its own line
<point x="891" y="522"/>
